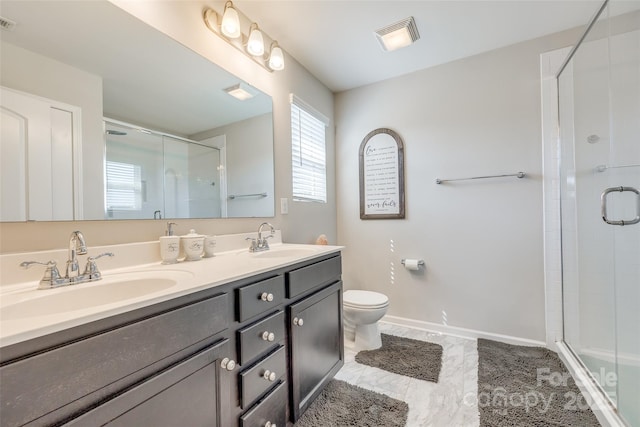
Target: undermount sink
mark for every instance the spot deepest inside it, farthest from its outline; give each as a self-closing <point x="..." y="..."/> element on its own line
<point x="111" y="289"/>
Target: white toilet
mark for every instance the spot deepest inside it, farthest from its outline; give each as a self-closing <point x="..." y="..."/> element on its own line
<point x="362" y="310"/>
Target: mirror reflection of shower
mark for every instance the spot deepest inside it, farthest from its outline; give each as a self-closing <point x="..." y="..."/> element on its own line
<point x="150" y="174"/>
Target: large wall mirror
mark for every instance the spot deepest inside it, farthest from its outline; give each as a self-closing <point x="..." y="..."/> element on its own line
<point x="104" y="117"/>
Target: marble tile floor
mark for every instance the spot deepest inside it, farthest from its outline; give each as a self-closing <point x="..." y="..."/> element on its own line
<point x="449" y="403"/>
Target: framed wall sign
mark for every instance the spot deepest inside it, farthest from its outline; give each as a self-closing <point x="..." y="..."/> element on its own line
<point x="382" y="175"/>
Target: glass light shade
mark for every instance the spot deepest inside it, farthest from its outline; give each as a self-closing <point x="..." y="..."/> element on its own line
<point x="230" y="26"/>
<point x="255" y="45"/>
<point x="276" y="58"/>
<point x="397" y="39"/>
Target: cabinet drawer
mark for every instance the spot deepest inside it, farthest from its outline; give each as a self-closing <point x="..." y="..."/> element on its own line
<point x="254" y="381"/>
<point x="260" y="297"/>
<point x="272" y="408"/>
<point x="185" y="394"/>
<point x="252" y="338"/>
<point x="73" y="375"/>
<point x="306" y="278"/>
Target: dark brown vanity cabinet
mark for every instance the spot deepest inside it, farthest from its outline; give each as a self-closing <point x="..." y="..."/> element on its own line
<point x="317" y="350"/>
<point x="163" y="356"/>
<point x="249" y="353"/>
<point x="194" y="393"/>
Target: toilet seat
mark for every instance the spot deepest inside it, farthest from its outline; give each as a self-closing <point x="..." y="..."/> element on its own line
<point x="364" y="299"/>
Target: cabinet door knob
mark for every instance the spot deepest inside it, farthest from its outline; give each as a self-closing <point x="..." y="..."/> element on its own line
<point x="228" y="364"/>
<point x="266" y="297"/>
<point x="270" y="376"/>
<point x="268" y="336"/>
<point x="298" y="321"/>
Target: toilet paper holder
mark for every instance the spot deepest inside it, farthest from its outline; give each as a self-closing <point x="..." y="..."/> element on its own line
<point x="420" y="262"/>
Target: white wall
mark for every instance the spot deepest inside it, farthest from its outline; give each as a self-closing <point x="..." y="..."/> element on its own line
<point x="183" y="21"/>
<point x="481" y="240"/>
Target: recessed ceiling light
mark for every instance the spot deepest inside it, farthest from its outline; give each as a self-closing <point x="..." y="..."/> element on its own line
<point x="398" y="35"/>
<point x="241" y="91"/>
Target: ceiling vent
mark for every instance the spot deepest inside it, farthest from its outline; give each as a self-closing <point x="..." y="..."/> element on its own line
<point x="7" y="24"/>
<point x="398" y="35"/>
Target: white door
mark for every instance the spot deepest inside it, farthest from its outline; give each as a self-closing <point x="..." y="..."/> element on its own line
<point x="40" y="158"/>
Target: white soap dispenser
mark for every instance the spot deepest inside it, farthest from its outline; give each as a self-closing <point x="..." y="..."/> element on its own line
<point x="169" y="245"/>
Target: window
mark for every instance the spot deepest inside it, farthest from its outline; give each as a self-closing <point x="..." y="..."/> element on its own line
<point x="124" y="186"/>
<point x="308" y="153"/>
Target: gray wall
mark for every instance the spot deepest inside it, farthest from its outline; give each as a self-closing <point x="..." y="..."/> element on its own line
<point x="249" y="163"/>
<point x="482" y="241"/>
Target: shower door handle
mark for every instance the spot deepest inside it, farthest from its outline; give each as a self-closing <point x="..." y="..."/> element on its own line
<point x="603" y="203"/>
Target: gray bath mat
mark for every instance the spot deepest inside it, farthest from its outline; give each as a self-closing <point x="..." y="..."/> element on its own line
<point x="342" y="404"/>
<point x="404" y="356"/>
<point x="527" y="386"/>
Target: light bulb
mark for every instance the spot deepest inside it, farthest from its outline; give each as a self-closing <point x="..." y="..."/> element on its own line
<point x="230" y="22"/>
<point x="255" y="45"/>
<point x="276" y="58"/>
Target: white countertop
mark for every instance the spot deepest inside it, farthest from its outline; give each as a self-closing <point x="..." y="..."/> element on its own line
<point x="17" y="324"/>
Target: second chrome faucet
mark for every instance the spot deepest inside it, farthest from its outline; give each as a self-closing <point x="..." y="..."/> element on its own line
<point x="261" y="244"/>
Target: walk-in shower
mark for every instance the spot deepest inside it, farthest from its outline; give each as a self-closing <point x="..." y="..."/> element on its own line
<point x="599" y="116"/>
<point x="150" y="174"/>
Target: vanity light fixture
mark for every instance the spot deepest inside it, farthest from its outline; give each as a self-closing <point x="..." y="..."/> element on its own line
<point x="398" y="35"/>
<point x="255" y="45"/>
<point x="241" y="91"/>
<point x="228" y="26"/>
<point x="276" y="57"/>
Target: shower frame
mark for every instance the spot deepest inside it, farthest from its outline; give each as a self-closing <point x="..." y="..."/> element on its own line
<point x="603" y="407"/>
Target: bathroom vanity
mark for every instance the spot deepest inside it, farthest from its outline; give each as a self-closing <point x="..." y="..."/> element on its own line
<point x="251" y="351"/>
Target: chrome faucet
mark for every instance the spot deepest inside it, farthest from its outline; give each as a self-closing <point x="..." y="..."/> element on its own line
<point x="77" y="246"/>
<point x="262" y="244"/>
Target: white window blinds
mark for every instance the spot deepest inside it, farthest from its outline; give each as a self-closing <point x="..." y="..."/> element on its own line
<point x="308" y="153"/>
<point x="124" y="186"/>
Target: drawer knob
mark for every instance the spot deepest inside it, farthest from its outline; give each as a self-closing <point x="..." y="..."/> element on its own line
<point x="228" y="364"/>
<point x="266" y="297"/>
<point x="270" y="376"/>
<point x="269" y="424"/>
<point x="298" y="321"/>
<point x="268" y="336"/>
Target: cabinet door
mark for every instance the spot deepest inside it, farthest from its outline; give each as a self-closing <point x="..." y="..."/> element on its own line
<point x="81" y="373"/>
<point x="317" y="346"/>
<point x="194" y="392"/>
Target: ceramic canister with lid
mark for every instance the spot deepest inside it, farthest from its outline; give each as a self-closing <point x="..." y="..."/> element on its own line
<point x="193" y="244"/>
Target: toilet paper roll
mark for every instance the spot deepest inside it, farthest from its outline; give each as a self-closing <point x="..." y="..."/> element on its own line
<point x="412" y="264"/>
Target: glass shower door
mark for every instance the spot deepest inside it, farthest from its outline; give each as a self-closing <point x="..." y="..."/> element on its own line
<point x="624" y="171"/>
<point x="600" y="175"/>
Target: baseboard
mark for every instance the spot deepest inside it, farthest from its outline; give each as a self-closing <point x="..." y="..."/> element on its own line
<point x="461" y="332"/>
<point x="599" y="403"/>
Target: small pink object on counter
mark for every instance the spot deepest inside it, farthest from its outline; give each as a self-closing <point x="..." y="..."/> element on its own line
<point x="322" y="240"/>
